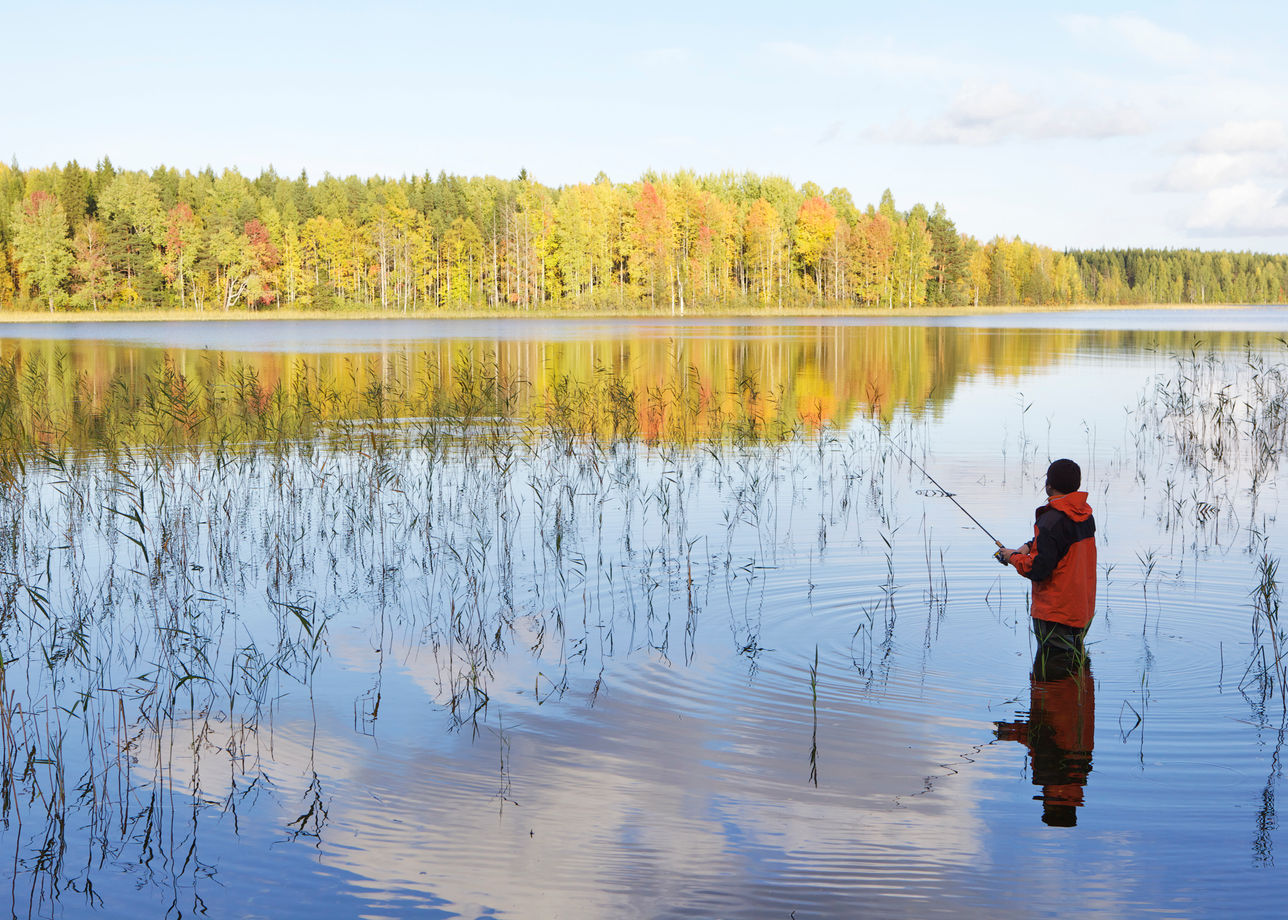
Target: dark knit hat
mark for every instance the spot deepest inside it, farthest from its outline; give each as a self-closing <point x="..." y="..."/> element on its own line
<point x="1064" y="476"/>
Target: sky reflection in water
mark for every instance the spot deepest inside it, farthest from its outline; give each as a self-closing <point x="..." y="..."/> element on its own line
<point x="688" y="635"/>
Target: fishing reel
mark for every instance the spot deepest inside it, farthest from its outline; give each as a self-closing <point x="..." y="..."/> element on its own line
<point x="1001" y="556"/>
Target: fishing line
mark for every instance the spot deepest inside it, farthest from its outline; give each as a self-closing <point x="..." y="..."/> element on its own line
<point x="935" y="482"/>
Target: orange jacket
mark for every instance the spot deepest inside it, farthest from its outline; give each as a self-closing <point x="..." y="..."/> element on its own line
<point x="1061" y="562"/>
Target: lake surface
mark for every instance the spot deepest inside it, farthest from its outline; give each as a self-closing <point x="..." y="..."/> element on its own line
<point x="636" y="618"/>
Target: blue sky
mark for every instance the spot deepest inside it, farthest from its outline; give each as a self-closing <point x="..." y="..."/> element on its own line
<point x="1160" y="124"/>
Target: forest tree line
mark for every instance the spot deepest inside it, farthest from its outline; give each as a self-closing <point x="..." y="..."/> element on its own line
<point x="73" y="238"/>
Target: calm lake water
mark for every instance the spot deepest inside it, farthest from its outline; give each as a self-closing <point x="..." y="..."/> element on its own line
<point x="636" y="618"/>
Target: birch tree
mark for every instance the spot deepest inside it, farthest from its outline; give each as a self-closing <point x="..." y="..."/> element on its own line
<point x="40" y="244"/>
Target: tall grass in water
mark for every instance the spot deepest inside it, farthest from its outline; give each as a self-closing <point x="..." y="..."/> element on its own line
<point x="1267" y="666"/>
<point x="1214" y="430"/>
<point x="1220" y="434"/>
<point x="175" y="557"/>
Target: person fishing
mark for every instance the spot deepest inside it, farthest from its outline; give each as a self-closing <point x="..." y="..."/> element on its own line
<point x="1060" y="560"/>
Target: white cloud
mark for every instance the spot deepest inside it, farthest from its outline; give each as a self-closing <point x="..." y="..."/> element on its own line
<point x="1137" y="35"/>
<point x="1236" y="173"/>
<point x="1246" y="209"/>
<point x="1262" y="135"/>
<point x="980" y="106"/>
<point x="1205" y="171"/>
<point x="1231" y="154"/>
<point x="994" y="113"/>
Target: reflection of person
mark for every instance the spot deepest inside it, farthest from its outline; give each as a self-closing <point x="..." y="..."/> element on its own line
<point x="1060" y="560"/>
<point x="1059" y="732"/>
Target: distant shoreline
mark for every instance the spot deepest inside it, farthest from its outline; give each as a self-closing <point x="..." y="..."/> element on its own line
<point x="134" y="316"/>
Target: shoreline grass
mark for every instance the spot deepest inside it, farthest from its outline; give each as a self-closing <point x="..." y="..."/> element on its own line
<point x="732" y="311"/>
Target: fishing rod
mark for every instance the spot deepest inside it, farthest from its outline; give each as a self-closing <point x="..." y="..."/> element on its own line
<point x="935" y="482"/>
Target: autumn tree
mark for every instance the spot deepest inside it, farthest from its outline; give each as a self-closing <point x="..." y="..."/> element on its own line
<point x="691" y="236"/>
<point x="133" y="224"/>
<point x="872" y="258"/>
<point x="171" y="236"/>
<point x="815" y="227"/>
<point x="182" y="234"/>
<point x="40" y="244"/>
<point x="264" y="260"/>
<point x="978" y="272"/>
<point x="763" y="247"/>
<point x="463" y="250"/>
<point x="92" y="268"/>
<point x="7" y="286"/>
<point x="653" y="237"/>
<point x="530" y="242"/>
<point x="578" y="234"/>
<point x="247" y="262"/>
<point x="1002" y="271"/>
<point x="912" y="258"/>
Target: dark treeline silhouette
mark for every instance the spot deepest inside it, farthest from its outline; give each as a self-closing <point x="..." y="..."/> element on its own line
<point x="1113" y="276"/>
<point x="73" y="238"/>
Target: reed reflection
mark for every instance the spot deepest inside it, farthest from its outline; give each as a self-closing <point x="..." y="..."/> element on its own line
<point x="1059" y="733"/>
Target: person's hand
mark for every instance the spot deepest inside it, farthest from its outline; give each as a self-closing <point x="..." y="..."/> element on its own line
<point x="1003" y="555"/>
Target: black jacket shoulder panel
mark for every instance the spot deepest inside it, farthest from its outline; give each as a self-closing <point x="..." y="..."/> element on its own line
<point x="1056" y="533"/>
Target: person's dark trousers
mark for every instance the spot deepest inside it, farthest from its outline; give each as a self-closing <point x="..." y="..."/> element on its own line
<point x="1058" y="637"/>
